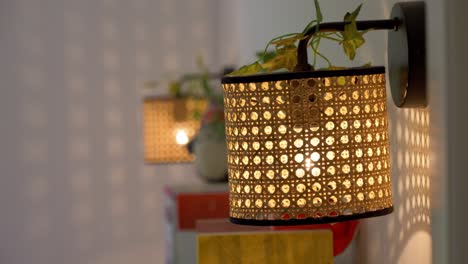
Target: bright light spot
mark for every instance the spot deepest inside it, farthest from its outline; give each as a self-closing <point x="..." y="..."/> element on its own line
<point x="181" y="137"/>
<point x="308" y="164"/>
<point x="315" y="156"/>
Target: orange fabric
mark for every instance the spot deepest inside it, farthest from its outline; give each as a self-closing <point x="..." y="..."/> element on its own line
<point x="194" y="206"/>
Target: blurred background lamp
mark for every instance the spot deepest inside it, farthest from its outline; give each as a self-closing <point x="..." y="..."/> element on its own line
<point x="169" y="125"/>
<point x="181" y="137"/>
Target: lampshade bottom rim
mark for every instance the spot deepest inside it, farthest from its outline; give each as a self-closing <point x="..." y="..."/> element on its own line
<point x="309" y="221"/>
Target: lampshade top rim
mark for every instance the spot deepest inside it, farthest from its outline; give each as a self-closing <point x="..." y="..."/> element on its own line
<point x="300" y="75"/>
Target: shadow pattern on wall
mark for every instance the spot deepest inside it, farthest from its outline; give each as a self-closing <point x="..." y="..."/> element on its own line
<point x="389" y="239"/>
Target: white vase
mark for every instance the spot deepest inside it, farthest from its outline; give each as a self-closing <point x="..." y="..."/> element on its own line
<point x="210" y="155"/>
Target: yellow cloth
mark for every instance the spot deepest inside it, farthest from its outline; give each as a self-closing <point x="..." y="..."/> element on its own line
<point x="311" y="247"/>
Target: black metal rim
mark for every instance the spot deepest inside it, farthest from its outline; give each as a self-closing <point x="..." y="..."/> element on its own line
<point x="309" y="221"/>
<point x="301" y="75"/>
<point x="407" y="56"/>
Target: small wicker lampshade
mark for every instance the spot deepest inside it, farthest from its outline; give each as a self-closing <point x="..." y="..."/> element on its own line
<point x="168" y="126"/>
<point x="307" y="147"/>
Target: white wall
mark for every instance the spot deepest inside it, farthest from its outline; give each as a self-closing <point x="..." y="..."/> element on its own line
<point x="406" y="235"/>
<point x="73" y="185"/>
<point x="448" y="84"/>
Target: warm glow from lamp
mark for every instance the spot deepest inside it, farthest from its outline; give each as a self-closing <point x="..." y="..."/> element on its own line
<point x="307" y="147"/>
<point x="181" y="137"/>
<point x="168" y="127"/>
<point x="308" y="164"/>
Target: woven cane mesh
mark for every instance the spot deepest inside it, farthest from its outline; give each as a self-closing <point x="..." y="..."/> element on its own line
<point x="163" y="119"/>
<point x="307" y="148"/>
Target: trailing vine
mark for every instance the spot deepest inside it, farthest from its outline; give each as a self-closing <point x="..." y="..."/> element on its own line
<point x="284" y="55"/>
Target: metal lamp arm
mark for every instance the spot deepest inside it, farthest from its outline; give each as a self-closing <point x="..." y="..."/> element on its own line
<point x="302" y="60"/>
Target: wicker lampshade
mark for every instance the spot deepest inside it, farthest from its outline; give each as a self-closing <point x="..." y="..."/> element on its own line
<point x="307" y="147"/>
<point x="169" y="124"/>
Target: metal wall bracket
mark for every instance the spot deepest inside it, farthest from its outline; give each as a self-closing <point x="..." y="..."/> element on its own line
<point x="407" y="55"/>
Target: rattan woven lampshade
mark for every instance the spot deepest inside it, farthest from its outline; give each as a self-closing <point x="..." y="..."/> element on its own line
<point x="307" y="147"/>
<point x="168" y="126"/>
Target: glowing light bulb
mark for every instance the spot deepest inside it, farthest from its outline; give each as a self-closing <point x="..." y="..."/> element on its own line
<point x="308" y="164"/>
<point x="181" y="137"/>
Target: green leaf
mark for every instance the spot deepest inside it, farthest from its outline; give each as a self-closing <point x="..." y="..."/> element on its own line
<point x="175" y="89"/>
<point x="318" y="12"/>
<point x="366" y="65"/>
<point x="350" y="17"/>
<point x="288" y="40"/>
<point x="350" y="45"/>
<point x="286" y="58"/>
<point x="265" y="56"/>
<point x="352" y="38"/>
<point x="279" y="37"/>
<point x="247" y="69"/>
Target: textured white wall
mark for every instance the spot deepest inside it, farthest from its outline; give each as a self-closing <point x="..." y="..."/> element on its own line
<point x="73" y="186"/>
<point x="404" y="236"/>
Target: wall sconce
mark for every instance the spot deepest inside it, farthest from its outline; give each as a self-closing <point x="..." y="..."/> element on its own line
<point x="168" y="126"/>
<point x="312" y="146"/>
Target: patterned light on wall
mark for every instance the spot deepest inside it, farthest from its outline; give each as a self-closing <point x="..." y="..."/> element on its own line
<point x="313" y="146"/>
<point x="169" y="125"/>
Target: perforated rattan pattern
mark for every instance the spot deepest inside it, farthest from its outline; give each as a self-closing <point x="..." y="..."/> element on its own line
<point x="161" y="126"/>
<point x="310" y="147"/>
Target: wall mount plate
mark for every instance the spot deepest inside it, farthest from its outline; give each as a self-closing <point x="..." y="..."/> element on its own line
<point x="407" y="55"/>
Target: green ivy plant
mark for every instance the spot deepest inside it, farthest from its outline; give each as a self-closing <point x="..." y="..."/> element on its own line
<point x="198" y="86"/>
<point x="195" y="85"/>
<point x="284" y="54"/>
